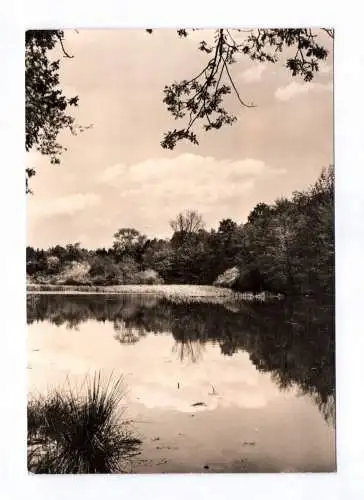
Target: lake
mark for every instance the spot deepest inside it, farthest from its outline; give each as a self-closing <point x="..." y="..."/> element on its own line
<point x="210" y="387"/>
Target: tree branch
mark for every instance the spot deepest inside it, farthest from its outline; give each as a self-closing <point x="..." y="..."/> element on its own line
<point x="63" y="49"/>
<point x="236" y="90"/>
<point x="330" y="32"/>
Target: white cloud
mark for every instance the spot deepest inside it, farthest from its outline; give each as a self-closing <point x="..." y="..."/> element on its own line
<point x="185" y="180"/>
<point x="148" y="194"/>
<point x="253" y="74"/>
<point x="184" y="169"/>
<point x="65" y="205"/>
<point x="111" y="173"/>
<point x="166" y="186"/>
<point x="294" y="89"/>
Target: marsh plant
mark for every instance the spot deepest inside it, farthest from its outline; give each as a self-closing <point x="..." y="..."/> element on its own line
<point x="80" y="431"/>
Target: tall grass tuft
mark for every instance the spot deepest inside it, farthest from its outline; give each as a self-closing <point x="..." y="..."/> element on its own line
<point x="72" y="432"/>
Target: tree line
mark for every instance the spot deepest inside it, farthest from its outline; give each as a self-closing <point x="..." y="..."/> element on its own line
<point x="285" y="247"/>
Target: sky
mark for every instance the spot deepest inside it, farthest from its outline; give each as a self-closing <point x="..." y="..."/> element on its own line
<point x="116" y="174"/>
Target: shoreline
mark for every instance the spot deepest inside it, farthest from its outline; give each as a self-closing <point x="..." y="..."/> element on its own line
<point x="207" y="293"/>
<point x="180" y="290"/>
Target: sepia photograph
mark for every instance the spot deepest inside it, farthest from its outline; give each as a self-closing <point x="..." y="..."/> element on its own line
<point x="180" y="258"/>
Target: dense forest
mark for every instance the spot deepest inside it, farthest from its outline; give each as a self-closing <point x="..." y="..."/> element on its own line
<point x="286" y="247"/>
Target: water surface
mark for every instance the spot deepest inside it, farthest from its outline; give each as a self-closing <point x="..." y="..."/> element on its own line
<point x="211" y="388"/>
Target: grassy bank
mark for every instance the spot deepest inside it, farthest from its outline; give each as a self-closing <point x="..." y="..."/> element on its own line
<point x="164" y="290"/>
<point x="199" y="293"/>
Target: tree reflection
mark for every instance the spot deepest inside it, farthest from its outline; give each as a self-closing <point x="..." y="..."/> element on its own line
<point x="188" y="350"/>
<point x="294" y="341"/>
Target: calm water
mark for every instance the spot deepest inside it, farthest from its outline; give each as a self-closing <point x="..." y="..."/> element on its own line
<point x="264" y="374"/>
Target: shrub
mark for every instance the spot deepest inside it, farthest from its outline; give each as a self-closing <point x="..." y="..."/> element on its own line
<point x="104" y="271"/>
<point x="149" y="277"/>
<point x="228" y="278"/>
<point x="80" y="432"/>
<point x="75" y="273"/>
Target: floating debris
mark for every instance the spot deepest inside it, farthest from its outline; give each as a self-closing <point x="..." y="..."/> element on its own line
<point x="213" y="393"/>
<point x="199" y="403"/>
<point x="162" y="462"/>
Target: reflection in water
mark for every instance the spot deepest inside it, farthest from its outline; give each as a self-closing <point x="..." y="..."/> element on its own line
<point x="188" y="350"/>
<point x="293" y="341"/>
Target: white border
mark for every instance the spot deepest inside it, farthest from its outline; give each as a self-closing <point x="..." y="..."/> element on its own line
<point x="349" y="115"/>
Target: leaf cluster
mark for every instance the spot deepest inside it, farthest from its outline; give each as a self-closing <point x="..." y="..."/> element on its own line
<point x="202" y="97"/>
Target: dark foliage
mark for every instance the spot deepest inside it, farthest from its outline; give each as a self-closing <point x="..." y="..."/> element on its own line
<point x="47" y="109"/>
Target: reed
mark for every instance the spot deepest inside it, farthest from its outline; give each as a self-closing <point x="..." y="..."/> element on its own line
<point x="80" y="432"/>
